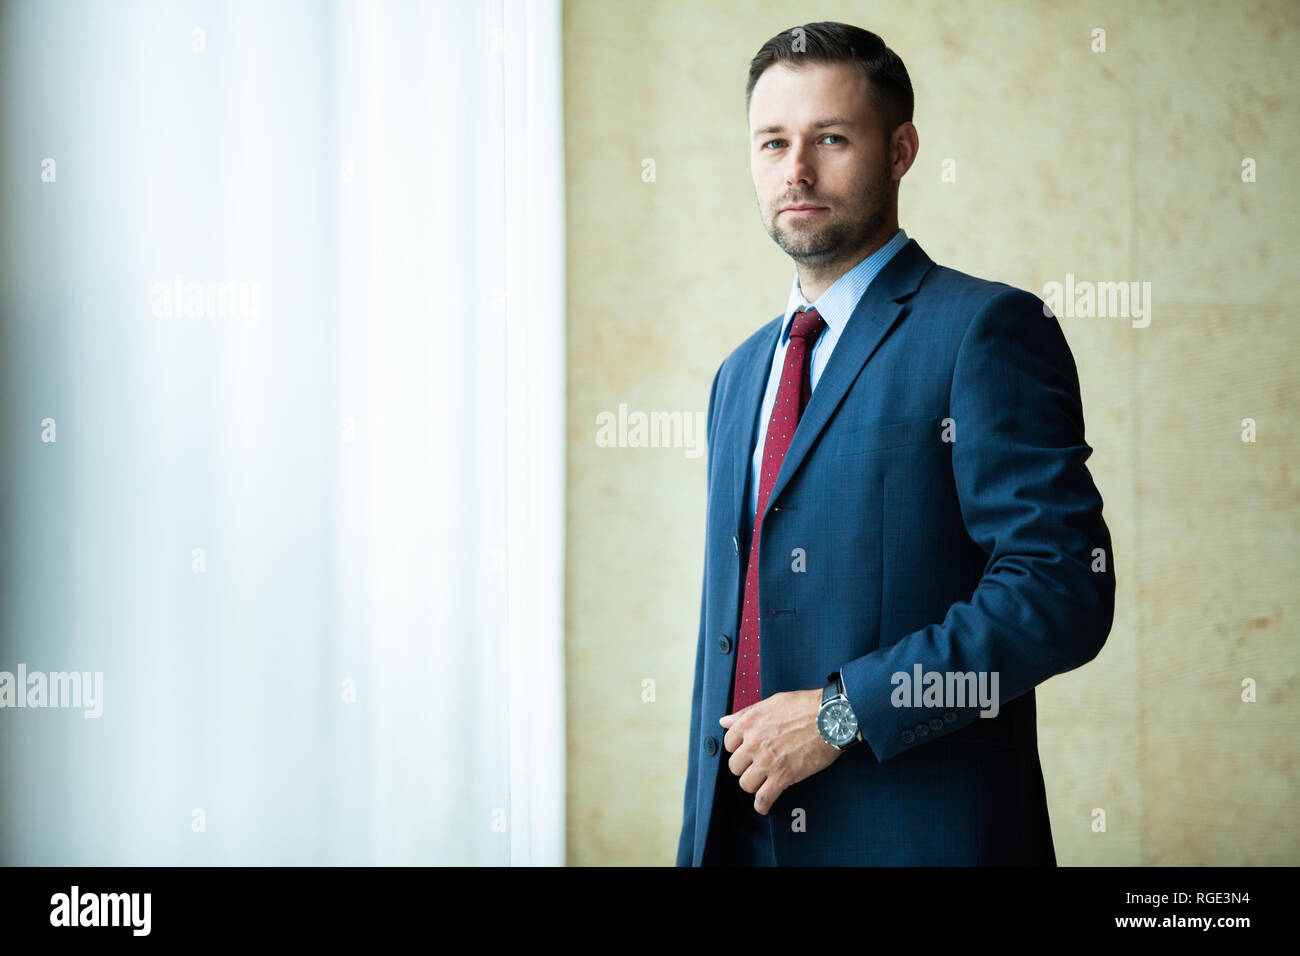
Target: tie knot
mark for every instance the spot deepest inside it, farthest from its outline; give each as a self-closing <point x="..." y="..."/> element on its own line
<point x="807" y="324"/>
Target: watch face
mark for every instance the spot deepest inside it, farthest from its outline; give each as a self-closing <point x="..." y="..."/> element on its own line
<point x="837" y="723"/>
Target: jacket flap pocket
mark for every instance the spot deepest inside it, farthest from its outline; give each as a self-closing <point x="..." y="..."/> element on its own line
<point x="914" y="431"/>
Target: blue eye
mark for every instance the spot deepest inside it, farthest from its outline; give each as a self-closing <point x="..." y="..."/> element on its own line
<point x="827" y="136"/>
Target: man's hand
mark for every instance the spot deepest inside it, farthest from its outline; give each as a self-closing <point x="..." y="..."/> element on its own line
<point x="775" y="743"/>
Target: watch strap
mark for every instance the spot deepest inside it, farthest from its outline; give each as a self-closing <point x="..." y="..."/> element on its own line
<point x="834" y="688"/>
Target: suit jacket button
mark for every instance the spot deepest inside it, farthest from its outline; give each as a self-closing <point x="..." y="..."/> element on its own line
<point x="949" y="716"/>
<point x="936" y="723"/>
<point x="724" y="644"/>
<point x="710" y="745"/>
<point x="921" y="730"/>
<point x="908" y="736"/>
<point x="735" y="543"/>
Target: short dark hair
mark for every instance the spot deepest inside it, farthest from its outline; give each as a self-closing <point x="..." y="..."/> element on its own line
<point x="830" y="42"/>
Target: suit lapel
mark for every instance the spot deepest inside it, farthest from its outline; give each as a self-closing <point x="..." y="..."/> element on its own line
<point x="741" y="436"/>
<point x="876" y="313"/>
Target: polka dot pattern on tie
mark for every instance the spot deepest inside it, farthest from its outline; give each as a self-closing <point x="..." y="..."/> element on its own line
<point x="791" y="400"/>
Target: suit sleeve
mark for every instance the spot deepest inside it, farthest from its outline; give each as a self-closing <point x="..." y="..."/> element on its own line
<point x="686" y="841"/>
<point x="1045" y="602"/>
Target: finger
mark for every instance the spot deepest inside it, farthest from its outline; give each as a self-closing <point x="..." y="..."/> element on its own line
<point x="728" y="719"/>
<point x="733" y="740"/>
<point x="752" y="778"/>
<point x="767" y="795"/>
<point x="740" y="762"/>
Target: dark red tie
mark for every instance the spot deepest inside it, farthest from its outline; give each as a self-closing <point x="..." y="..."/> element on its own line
<point x="791" y="399"/>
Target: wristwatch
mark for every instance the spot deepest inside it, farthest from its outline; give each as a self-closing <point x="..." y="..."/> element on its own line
<point x="836" y="721"/>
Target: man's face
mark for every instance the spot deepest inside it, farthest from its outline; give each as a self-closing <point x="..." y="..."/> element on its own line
<point x="842" y="167"/>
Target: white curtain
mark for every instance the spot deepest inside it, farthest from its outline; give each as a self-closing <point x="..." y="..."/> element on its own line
<point x="283" y="431"/>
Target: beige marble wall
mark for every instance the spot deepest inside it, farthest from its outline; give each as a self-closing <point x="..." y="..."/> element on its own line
<point x="1123" y="165"/>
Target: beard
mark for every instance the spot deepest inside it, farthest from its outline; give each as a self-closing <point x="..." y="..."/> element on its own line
<point x="842" y="232"/>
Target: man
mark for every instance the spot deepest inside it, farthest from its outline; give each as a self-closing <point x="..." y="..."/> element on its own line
<point x="902" y="537"/>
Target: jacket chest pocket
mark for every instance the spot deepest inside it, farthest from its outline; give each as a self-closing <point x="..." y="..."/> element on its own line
<point x="874" y="438"/>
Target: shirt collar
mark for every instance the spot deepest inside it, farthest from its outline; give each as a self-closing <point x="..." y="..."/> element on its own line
<point x="837" y="303"/>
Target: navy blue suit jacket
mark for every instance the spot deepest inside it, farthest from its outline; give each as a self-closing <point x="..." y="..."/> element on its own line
<point x="937" y="491"/>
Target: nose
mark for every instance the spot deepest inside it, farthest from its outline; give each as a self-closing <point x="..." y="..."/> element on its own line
<point x="799" y="169"/>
